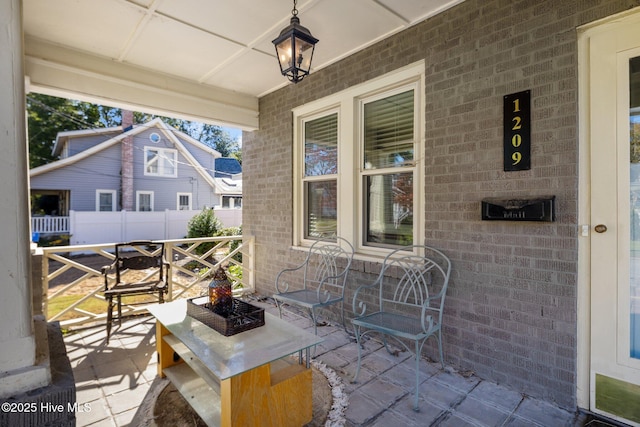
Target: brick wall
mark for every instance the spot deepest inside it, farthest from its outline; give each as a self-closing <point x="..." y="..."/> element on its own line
<point x="511" y="312"/>
<point x="127" y="202"/>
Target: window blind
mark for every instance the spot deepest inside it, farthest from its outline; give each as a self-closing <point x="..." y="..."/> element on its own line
<point x="321" y="146"/>
<point x="389" y="131"/>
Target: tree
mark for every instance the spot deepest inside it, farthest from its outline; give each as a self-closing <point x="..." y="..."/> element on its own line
<point x="48" y="115"/>
<point x="213" y="136"/>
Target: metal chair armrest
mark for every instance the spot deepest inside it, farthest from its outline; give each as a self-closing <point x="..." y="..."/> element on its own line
<point x="286" y="285"/>
<point x="361" y="304"/>
<point x="325" y="281"/>
<point x="104" y="270"/>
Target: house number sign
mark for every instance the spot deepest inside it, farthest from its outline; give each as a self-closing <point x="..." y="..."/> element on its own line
<point x="517" y="131"/>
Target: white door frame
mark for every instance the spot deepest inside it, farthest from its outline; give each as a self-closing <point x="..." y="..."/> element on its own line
<point x="585" y="33"/>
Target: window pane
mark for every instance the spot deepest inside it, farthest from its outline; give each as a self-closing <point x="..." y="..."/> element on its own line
<point x="106" y="202"/>
<point x="144" y="202"/>
<point x="152" y="161"/>
<point x="389" y="210"/>
<point x="634" y="137"/>
<point x="321" y="214"/>
<point x="184" y="202"/>
<point x="321" y="146"/>
<point x="169" y="164"/>
<point x="388" y="131"/>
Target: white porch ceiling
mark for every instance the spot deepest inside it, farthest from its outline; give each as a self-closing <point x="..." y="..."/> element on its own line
<point x="208" y="60"/>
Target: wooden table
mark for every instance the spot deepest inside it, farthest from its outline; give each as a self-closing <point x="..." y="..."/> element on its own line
<point x="246" y="379"/>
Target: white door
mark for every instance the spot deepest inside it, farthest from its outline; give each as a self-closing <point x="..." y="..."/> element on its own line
<point x="614" y="137"/>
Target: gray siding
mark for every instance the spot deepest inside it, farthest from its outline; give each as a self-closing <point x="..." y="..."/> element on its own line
<point x="511" y="309"/>
<point x="203" y="156"/>
<point x="102" y="171"/>
<point x="83" y="178"/>
<point x="80" y="144"/>
<point x="165" y="189"/>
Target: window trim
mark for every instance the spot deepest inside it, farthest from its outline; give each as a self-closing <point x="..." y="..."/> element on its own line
<point x="162" y="152"/>
<point x="178" y="195"/>
<point x="314" y="178"/>
<point x="114" y="195"/>
<point x="418" y="172"/>
<point x="350" y="156"/>
<point x="141" y="192"/>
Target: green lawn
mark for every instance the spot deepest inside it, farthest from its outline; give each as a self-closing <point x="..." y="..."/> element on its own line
<point x="93" y="305"/>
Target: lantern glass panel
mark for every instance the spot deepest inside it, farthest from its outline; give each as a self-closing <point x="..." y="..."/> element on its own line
<point x="304" y="53"/>
<point x="284" y="54"/>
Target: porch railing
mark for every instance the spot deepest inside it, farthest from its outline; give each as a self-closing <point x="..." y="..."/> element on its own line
<point x="50" y="224"/>
<point x="72" y="278"/>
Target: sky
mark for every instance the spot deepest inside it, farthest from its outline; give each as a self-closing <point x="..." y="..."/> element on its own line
<point x="235" y="134"/>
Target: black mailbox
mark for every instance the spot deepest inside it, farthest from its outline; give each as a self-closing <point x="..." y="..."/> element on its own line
<point x="537" y="209"/>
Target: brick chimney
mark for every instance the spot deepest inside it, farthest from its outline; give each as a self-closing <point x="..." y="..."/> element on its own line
<point x="127" y="163"/>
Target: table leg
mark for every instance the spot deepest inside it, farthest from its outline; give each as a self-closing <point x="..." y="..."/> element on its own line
<point x="257" y="398"/>
<point x="165" y="352"/>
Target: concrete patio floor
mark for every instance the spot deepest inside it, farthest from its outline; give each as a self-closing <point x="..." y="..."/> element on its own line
<point x="113" y="380"/>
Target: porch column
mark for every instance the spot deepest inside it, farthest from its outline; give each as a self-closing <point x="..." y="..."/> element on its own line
<point x="18" y="370"/>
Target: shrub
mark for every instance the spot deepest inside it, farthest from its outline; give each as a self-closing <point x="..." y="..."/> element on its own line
<point x="233" y="231"/>
<point x="204" y="224"/>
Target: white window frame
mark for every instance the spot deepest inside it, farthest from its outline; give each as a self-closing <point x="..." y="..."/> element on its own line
<point x="178" y="206"/>
<point x="114" y="201"/>
<point x="140" y="193"/>
<point x="315" y="178"/>
<point x="166" y="155"/>
<point x="232" y="198"/>
<point x="350" y="203"/>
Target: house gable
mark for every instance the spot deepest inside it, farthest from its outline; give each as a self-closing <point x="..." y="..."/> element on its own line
<point x="69" y="143"/>
<point x="187" y="167"/>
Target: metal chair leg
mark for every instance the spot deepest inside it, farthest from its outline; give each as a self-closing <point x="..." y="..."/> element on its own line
<point x="415" y="401"/>
<point x="119" y="310"/>
<point x="314" y="319"/>
<point x="109" y="316"/>
<point x="356" y="330"/>
<point x="439" y="338"/>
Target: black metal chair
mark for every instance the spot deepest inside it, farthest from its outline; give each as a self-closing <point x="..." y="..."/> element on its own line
<point x="139" y="268"/>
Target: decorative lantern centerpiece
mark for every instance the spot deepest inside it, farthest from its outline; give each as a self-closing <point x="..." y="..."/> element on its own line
<point x="220" y="297"/>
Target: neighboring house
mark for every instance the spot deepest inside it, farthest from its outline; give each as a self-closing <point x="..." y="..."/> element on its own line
<point x="145" y="167"/>
<point x="228" y="174"/>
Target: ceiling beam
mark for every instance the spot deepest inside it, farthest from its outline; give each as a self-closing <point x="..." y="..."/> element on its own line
<point x="54" y="70"/>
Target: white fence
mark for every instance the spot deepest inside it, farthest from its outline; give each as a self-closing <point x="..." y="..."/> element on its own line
<point x="89" y="228"/>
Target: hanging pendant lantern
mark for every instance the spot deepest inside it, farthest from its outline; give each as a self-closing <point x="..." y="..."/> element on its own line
<point x="294" y="49"/>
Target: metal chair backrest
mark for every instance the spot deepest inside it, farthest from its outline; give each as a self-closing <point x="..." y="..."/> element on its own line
<point x="414" y="281"/>
<point x="140" y="255"/>
<point x="328" y="261"/>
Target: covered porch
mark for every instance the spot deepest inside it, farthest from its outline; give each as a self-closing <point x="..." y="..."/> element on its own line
<point x="118" y="385"/>
<point x="520" y="308"/>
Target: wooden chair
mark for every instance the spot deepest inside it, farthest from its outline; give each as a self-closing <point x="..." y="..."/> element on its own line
<point x="139" y="268"/>
<point x="407" y="300"/>
<point x="320" y="279"/>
